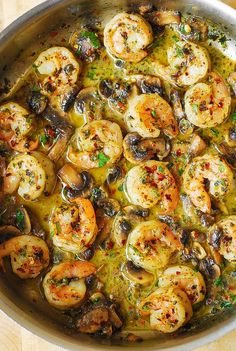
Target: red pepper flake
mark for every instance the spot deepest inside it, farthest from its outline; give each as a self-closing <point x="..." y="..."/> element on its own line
<point x="178" y="273"/>
<point x="110" y="245"/>
<point x="168" y="197"/>
<point x="178" y="152"/>
<point x="207" y="165"/>
<point x="161" y="176"/>
<point x="53" y="34"/>
<point x="220" y="104"/>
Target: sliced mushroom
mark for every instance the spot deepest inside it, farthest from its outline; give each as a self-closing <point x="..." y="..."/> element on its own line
<point x="215" y="237"/>
<point x="59" y="147"/>
<point x="163" y="17"/>
<point x="109" y="206"/>
<point x="232" y="81"/>
<point x="93" y="320"/>
<point x="197" y="145"/>
<point x="77" y="184"/>
<point x="209" y="268"/>
<point x="176" y="103"/>
<point x="23" y="221"/>
<point x="68" y="99"/>
<point x="37" y="102"/>
<point x="85" y="44"/>
<point x="113" y="175"/>
<point x="199" y="251"/>
<point x="194" y="29"/>
<point x="7" y="232"/>
<point x="137" y="149"/>
<point x="149" y="84"/>
<point x="124" y="222"/>
<point x="89" y="105"/>
<point x="117" y="93"/>
<point x="136" y="274"/>
<point x="228" y="152"/>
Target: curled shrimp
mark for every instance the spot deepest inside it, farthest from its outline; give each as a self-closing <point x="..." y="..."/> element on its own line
<point x="188" y="63"/>
<point x="57" y="69"/>
<point x="73" y="227"/>
<point x="224" y="242"/>
<point x="151" y="244"/>
<point x="127" y="35"/>
<point x="26" y="174"/>
<point x="148" y="114"/>
<point x="208" y="104"/>
<point x="187" y="279"/>
<point x="99" y="144"/>
<point x="29" y="255"/>
<point x="15" y="125"/>
<point x="152" y="184"/>
<point x="64" y="285"/>
<point x="216" y="171"/>
<point x="169" y="309"/>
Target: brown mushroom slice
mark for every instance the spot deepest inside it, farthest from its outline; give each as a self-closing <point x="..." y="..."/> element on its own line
<point x="60" y="145"/>
<point x="78" y="184"/>
<point x="176" y="104"/>
<point x="136" y="274"/>
<point x="197" y="146"/>
<point x="164" y="17"/>
<point x="23" y="221"/>
<point x="194" y="29"/>
<point x="92" y="321"/>
<point x="232" y="81"/>
<point x="85" y="44"/>
<point x="148" y="84"/>
<point x="209" y="268"/>
<point x="137" y="149"/>
<point x="7" y="232"/>
<point x="89" y="104"/>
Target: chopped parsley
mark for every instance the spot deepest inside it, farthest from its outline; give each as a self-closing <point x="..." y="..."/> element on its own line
<point x="93" y="38"/>
<point x="20" y="219"/>
<point x="161" y="169"/>
<point x="233" y="116"/>
<point x="153" y="113"/>
<point x="58" y="226"/>
<point x="215" y="132"/>
<point x="91" y="74"/>
<point x="121" y="187"/>
<point x="218" y="282"/>
<point x="226" y="304"/>
<point x="43" y="139"/>
<point x="195" y="108"/>
<point x="102" y="159"/>
<point x="180" y="171"/>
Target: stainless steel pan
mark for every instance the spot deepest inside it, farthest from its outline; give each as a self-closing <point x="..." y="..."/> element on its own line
<point x="16" y="44"/>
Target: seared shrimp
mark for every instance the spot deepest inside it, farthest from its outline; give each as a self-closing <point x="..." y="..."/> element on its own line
<point x="29" y="255"/>
<point x="73" y="227"/>
<point x="169" y="309"/>
<point x="26" y="174"/>
<point x="151" y="244"/>
<point x="127" y="35"/>
<point x="208" y="104"/>
<point x="152" y="184"/>
<point x="148" y="114"/>
<point x="99" y="144"/>
<point x="216" y="171"/>
<point x="58" y="70"/>
<point x="64" y="286"/>
<point x="187" y="279"/>
<point x="15" y="125"/>
<point x="188" y="63"/>
<point x="225" y="237"/>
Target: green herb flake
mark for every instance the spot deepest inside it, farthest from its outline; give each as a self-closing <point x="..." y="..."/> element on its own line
<point x="170" y="165"/>
<point x="153" y="113"/>
<point x="121" y="187"/>
<point x="233" y="116"/>
<point x="179" y="52"/>
<point x="92" y="37"/>
<point x="226" y="304"/>
<point x="58" y="226"/>
<point x="145" y="308"/>
<point x="91" y="74"/>
<point x="43" y="139"/>
<point x="102" y="159"/>
<point x="35" y="67"/>
<point x="161" y="169"/>
<point x="195" y="108"/>
<point x="218" y="282"/>
<point x="51" y="234"/>
<point x="215" y="132"/>
<point x="175" y="38"/>
<point x="180" y="171"/>
<point x="36" y="88"/>
<point x="19" y="218"/>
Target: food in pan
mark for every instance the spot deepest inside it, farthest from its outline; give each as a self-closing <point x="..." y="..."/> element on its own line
<point x="118" y="194"/>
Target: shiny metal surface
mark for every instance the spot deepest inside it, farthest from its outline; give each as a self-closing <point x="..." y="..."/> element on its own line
<point x="27" y="30"/>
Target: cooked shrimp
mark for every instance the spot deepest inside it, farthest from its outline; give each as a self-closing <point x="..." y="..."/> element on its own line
<point x="169" y="309"/>
<point x="73" y="227"/>
<point x="216" y="171"/>
<point x="29" y="255"/>
<point x="188" y="63"/>
<point x="99" y="144"/>
<point x="127" y="35"/>
<point x="15" y="126"/>
<point x="187" y="279"/>
<point x="208" y="104"/>
<point x="58" y="70"/>
<point x="64" y="286"/>
<point x="26" y="174"/>
<point x="151" y="244"/>
<point x="148" y="114"/>
<point x="227" y="237"/>
<point x="152" y="184"/>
